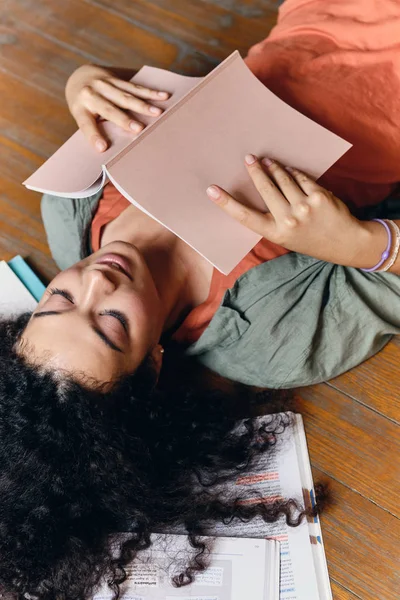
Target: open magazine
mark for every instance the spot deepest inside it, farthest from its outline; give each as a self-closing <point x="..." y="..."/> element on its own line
<point x="303" y="573"/>
<point x="238" y="569"/>
<point x="287" y="473"/>
<point x="208" y="127"/>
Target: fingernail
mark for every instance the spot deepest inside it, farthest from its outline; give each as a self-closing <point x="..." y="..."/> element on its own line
<point x="250" y="159"/>
<point x="267" y="162"/>
<point x="213" y="192"/>
<point x="290" y="169"/>
<point x="135" y="126"/>
<point x="101" y="145"/>
<point x="155" y="111"/>
<point x="162" y="94"/>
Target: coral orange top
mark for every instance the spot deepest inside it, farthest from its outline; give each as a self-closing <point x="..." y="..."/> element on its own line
<point x="338" y="62"/>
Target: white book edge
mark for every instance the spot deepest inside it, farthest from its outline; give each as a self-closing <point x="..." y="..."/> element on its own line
<point x="316" y="541"/>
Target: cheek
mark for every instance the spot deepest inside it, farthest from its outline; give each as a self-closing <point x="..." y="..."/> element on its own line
<point x="145" y="310"/>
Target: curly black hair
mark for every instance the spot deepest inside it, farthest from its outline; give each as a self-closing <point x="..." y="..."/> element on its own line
<point x="80" y="464"/>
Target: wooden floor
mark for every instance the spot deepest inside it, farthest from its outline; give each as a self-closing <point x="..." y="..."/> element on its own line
<point x="352" y="423"/>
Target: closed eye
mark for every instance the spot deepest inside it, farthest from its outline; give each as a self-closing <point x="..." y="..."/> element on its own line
<point x="64" y="293"/>
<point x="117" y="315"/>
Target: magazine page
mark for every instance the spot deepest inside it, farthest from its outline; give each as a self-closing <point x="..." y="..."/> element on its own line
<point x="317" y="545"/>
<point x="76" y="169"/>
<point x="237" y="570"/>
<point x="277" y="476"/>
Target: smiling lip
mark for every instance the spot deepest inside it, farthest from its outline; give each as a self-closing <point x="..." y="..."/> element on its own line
<point x="116" y="259"/>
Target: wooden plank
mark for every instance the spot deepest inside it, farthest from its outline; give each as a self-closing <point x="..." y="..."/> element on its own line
<point x="194" y="64"/>
<point x="28" y="231"/>
<point x="351" y="443"/>
<point x="17" y="161"/>
<point x="32" y="118"/>
<point x="361" y="542"/>
<point x="210" y="29"/>
<point x="98" y="35"/>
<point x="375" y="382"/>
<point x="260" y="9"/>
<point x="21" y="227"/>
<point x="47" y="68"/>
<point x="341" y="593"/>
<point x="20" y="234"/>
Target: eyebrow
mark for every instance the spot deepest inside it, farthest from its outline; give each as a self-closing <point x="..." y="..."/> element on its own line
<point x="97" y="331"/>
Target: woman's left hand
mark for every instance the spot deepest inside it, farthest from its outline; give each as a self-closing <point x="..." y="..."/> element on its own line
<point x="303" y="217"/>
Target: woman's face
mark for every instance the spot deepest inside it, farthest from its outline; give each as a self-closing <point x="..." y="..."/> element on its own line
<point x="99" y="318"/>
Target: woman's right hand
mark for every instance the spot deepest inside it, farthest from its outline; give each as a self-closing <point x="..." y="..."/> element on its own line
<point x="94" y="92"/>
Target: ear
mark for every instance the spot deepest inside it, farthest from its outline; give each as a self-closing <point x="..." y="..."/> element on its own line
<point x="157" y="358"/>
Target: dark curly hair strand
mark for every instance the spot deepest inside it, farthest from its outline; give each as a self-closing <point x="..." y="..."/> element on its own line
<point x="79" y="465"/>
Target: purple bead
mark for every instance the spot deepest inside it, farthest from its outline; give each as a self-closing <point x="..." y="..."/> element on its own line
<point x="385" y="255"/>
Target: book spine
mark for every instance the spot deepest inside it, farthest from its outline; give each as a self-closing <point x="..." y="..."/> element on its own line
<point x="226" y="63"/>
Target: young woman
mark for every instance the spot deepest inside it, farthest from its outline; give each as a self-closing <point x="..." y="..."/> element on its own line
<point x="96" y="435"/>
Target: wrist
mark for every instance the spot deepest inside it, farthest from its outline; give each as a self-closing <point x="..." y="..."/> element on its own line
<point x="371" y="241"/>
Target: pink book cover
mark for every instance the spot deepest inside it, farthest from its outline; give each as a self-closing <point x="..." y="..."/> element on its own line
<point x="209" y="126"/>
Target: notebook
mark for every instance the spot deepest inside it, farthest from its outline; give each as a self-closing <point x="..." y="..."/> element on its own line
<point x="209" y="126"/>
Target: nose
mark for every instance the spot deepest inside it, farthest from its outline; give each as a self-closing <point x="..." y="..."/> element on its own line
<point x="97" y="284"/>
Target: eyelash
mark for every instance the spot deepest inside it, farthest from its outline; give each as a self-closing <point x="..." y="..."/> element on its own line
<point x="111" y="313"/>
<point x="117" y="315"/>
<point x="56" y="291"/>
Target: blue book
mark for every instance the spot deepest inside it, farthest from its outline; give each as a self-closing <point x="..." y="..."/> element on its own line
<point x="27" y="276"/>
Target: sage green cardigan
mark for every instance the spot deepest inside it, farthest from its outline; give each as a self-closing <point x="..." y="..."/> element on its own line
<point x="289" y="322"/>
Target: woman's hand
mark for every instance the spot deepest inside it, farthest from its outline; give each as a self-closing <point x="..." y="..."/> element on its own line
<point x="304" y="217"/>
<point x="94" y="92"/>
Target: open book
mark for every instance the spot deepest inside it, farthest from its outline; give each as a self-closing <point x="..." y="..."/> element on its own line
<point x="202" y="138"/>
<point x="238" y="569"/>
<point x="303" y="573"/>
<point x="287" y="473"/>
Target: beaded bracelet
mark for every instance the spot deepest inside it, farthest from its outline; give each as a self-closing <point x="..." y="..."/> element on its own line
<point x="396" y="248"/>
<point x="386" y="253"/>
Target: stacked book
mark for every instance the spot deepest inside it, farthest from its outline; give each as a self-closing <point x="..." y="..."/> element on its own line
<point x="20" y="288"/>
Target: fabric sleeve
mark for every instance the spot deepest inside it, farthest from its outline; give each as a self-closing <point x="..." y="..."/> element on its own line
<point x="67" y="224"/>
<point x="297" y="321"/>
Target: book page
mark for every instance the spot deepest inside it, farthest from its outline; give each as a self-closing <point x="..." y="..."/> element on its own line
<point x="237" y="570"/>
<point x="14" y="297"/>
<point x="75" y="169"/>
<point x="314" y="526"/>
<point x="203" y="140"/>
<point x="276" y="476"/>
